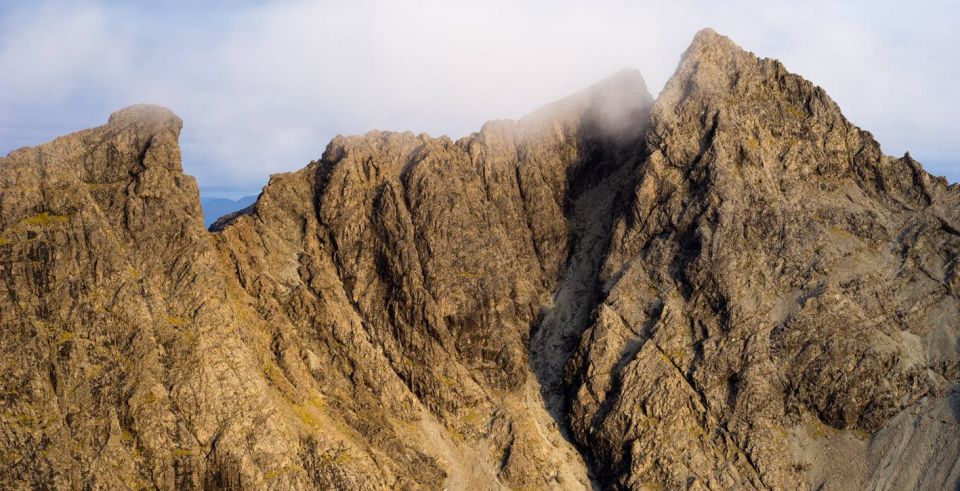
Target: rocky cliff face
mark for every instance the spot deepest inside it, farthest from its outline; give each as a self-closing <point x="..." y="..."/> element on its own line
<point x="728" y="287"/>
<point x="773" y="278"/>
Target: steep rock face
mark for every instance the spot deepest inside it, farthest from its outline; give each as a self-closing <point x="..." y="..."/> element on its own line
<point x="444" y="254"/>
<point x="122" y="363"/>
<point x="364" y="325"/>
<point x="774" y="273"/>
<point x="730" y="287"/>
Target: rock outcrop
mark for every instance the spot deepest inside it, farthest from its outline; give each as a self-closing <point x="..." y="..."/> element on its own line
<point x="773" y="278"/>
<point x="730" y="287"/>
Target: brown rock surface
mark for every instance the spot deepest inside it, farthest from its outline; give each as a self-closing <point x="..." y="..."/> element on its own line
<point x="730" y="287"/>
<point x="773" y="273"/>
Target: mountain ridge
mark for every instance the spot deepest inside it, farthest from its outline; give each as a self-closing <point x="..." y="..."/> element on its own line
<point x="727" y="287"/>
<point x="215" y="208"/>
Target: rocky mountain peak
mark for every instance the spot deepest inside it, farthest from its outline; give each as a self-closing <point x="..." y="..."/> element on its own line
<point x="755" y="188"/>
<point x="146" y="115"/>
<point x="727" y="288"/>
<point x="730" y="106"/>
<point x="707" y="42"/>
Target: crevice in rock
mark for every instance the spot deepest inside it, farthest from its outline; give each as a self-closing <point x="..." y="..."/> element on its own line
<point x="593" y="203"/>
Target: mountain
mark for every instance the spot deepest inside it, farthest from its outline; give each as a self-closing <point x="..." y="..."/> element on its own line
<point x="728" y="287"/>
<point x="214" y="208"/>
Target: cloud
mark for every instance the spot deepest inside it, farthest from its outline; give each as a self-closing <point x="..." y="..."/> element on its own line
<point x="263" y="86"/>
<point x="46" y="54"/>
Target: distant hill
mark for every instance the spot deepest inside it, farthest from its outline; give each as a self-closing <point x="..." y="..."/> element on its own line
<point x="214" y="208"/>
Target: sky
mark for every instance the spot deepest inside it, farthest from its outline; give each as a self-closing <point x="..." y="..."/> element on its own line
<point x="263" y="86"/>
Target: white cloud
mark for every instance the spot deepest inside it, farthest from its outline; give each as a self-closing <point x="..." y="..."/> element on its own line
<point x="262" y="87"/>
<point x="47" y="53"/>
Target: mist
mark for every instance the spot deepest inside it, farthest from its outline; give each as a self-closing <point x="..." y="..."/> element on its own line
<point x="262" y="87"/>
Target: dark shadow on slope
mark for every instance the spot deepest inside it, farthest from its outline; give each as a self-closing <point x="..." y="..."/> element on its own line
<point x="597" y="188"/>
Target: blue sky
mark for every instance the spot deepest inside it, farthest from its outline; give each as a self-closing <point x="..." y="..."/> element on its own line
<point x="263" y="86"/>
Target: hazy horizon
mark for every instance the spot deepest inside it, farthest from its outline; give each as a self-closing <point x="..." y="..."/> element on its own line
<point x="262" y="87"/>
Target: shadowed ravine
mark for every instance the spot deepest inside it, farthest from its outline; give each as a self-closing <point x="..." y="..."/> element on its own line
<point x="592" y="204"/>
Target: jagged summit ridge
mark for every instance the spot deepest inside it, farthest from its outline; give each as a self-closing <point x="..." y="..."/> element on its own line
<point x="728" y="287"/>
